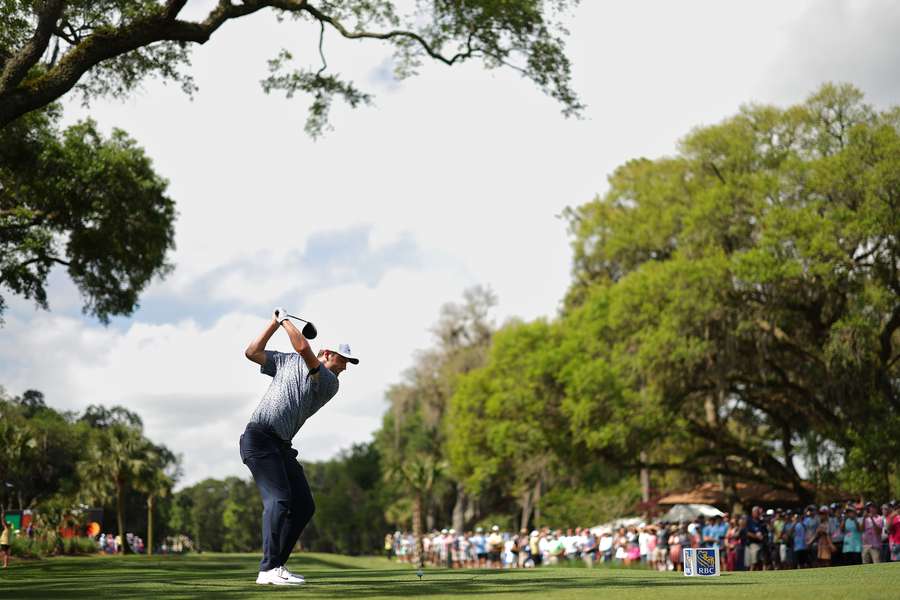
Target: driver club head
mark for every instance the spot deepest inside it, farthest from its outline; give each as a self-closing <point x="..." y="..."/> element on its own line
<point x="309" y="331"/>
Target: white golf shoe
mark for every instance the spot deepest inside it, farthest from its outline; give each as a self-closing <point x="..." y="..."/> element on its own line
<point x="293" y="577"/>
<point x="278" y="576"/>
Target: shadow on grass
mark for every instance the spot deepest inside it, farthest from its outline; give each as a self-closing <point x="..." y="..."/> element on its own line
<point x="232" y="577"/>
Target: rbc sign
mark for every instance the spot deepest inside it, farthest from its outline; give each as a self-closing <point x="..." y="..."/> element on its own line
<point x="701" y="562"/>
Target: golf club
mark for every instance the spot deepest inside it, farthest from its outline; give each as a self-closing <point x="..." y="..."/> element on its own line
<point x="309" y="330"/>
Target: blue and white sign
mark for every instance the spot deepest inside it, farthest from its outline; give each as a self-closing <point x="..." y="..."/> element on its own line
<point x="701" y="562"/>
<point x="688" y="562"/>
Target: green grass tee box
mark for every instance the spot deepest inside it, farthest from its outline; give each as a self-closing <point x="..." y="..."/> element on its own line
<point x="340" y="577"/>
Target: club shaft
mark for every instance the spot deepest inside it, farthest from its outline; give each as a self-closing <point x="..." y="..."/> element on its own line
<point x="298" y="318"/>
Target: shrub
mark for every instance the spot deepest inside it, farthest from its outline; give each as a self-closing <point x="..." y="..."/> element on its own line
<point x="78" y="545"/>
<point x="50" y="545"/>
<point x="85" y="545"/>
<point x="34" y="548"/>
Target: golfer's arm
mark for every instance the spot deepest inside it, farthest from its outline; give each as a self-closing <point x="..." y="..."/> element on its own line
<point x="298" y="341"/>
<point x="256" y="351"/>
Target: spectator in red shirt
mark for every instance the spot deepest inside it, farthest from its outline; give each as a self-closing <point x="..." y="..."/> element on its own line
<point x="893" y="529"/>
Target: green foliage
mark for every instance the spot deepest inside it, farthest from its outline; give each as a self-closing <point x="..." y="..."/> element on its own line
<point x="350" y="500"/>
<point x="220" y="514"/>
<point x="413" y="441"/>
<point x="92" y="204"/>
<point x="733" y="308"/>
<point x="79" y="545"/>
<point x="95" y="205"/>
<point x="504" y="418"/>
<point x="523" y="420"/>
<point x="52" y="545"/>
<point x="36" y="548"/>
<point x="118" y="459"/>
<point x="584" y="506"/>
<point x="57" y="462"/>
<point x="504" y="520"/>
<point x="240" y="512"/>
<point x="40" y="450"/>
<point x="100" y="417"/>
<point x="746" y="292"/>
<point x="323" y="88"/>
<point x="102" y="48"/>
<point x="225" y="515"/>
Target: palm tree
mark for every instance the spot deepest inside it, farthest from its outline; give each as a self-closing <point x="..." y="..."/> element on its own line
<point x="114" y="457"/>
<point x="155" y="479"/>
<point x="418" y="475"/>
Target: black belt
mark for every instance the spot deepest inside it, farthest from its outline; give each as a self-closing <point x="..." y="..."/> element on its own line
<point x="269" y="431"/>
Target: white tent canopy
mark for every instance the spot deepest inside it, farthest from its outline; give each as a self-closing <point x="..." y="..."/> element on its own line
<point x="688" y="512"/>
<point x="615" y="524"/>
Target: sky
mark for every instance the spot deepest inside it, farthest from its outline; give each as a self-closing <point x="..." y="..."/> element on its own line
<point x="454" y="178"/>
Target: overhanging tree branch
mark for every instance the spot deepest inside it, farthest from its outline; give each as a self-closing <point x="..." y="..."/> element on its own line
<point x="106" y="39"/>
<point x="887" y="335"/>
<point x="173" y="7"/>
<point x="387" y="35"/>
<point x="321" y="52"/>
<point x="17" y="66"/>
<point x="43" y="259"/>
<point x="105" y="43"/>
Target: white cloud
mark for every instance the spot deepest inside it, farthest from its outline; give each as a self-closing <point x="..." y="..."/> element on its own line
<point x="194" y="388"/>
<point x="455" y="178"/>
<point x="842" y="41"/>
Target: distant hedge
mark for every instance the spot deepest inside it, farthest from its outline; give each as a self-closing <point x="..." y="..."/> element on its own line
<point x="52" y="546"/>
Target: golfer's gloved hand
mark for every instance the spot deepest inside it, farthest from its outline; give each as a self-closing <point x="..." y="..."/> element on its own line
<point x="279" y="314"/>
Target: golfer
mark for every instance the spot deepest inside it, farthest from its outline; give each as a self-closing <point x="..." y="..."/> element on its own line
<point x="302" y="383"/>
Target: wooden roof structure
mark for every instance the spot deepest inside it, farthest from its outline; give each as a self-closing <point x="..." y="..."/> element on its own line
<point x="748" y="493"/>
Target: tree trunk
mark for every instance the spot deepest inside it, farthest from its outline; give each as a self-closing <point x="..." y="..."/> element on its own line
<point x="120" y="513"/>
<point x="712" y="413"/>
<point x="537" y="503"/>
<point x="787" y="447"/>
<point x="527" y="507"/>
<point x="711" y="405"/>
<point x="149" y="525"/>
<point x="459" y="510"/>
<point x="417" y="531"/>
<point x="732" y="500"/>
<point x="472" y="511"/>
<point x="645" y="479"/>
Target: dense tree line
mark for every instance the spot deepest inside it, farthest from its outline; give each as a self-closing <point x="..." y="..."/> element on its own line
<point x="224" y="515"/>
<point x="58" y="463"/>
<point x="733" y="316"/>
<point x="734" y="308"/>
<point x="746" y="297"/>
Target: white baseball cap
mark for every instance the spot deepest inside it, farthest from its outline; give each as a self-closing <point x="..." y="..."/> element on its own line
<point x="344" y="350"/>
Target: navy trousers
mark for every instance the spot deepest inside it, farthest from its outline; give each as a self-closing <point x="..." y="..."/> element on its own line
<point x="287" y="501"/>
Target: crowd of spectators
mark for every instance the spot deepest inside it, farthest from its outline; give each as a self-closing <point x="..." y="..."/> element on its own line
<point x="815" y="536"/>
<point x="112" y="544"/>
<point x="108" y="543"/>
